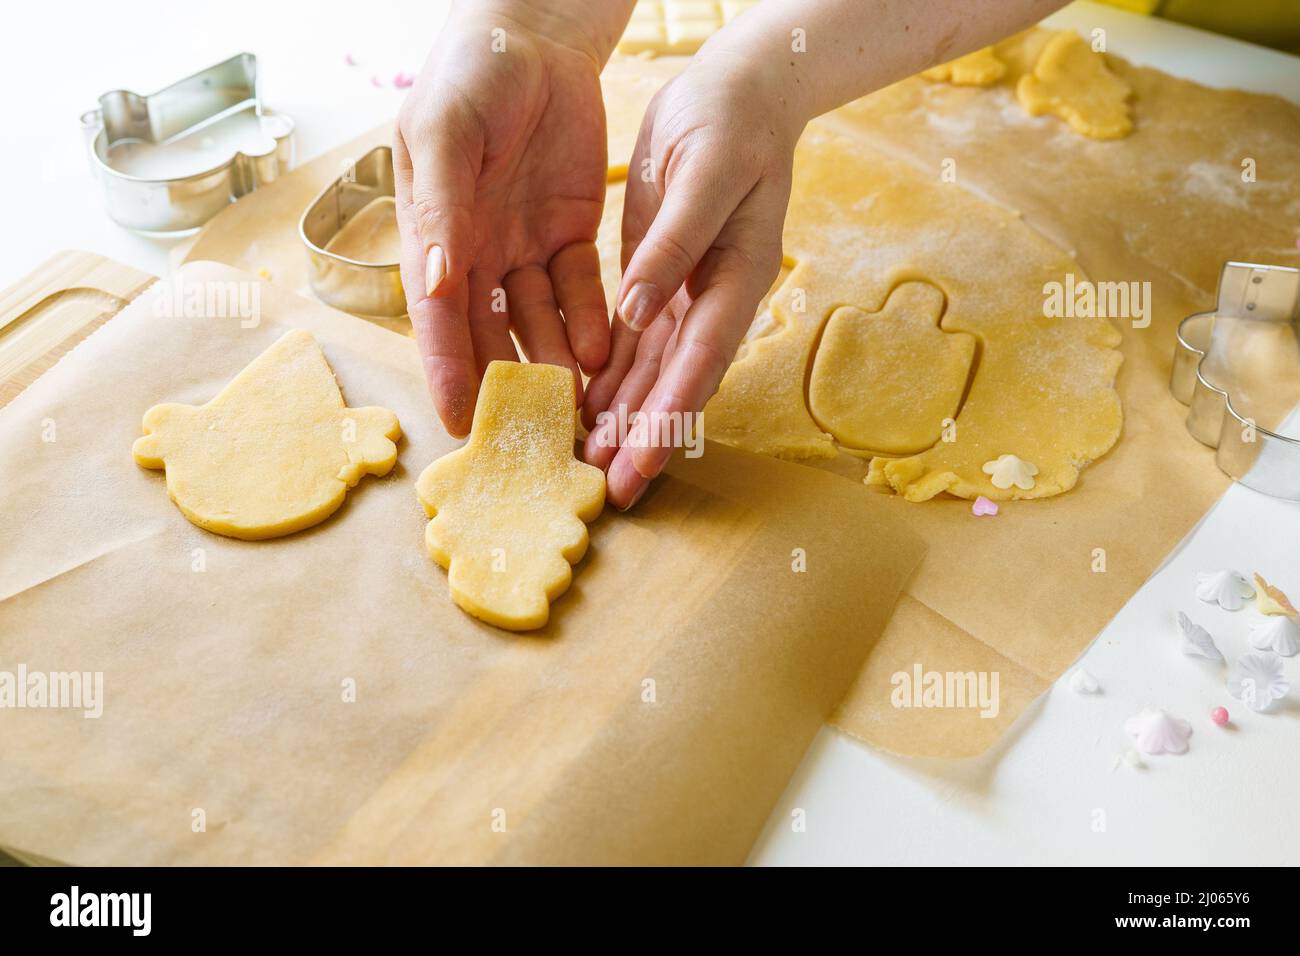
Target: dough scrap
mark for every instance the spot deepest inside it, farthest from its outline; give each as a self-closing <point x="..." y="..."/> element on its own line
<point x="1051" y="71"/>
<point x="275" y="452"/>
<point x="864" y="388"/>
<point x="1072" y="81"/>
<point x="509" y="507"/>
<point x="980" y="68"/>
<point x="860" y="224"/>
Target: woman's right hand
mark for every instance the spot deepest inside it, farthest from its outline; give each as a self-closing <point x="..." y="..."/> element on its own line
<point x="499" y="159"/>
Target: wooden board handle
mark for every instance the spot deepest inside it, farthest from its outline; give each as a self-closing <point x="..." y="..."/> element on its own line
<point x="54" y="307"/>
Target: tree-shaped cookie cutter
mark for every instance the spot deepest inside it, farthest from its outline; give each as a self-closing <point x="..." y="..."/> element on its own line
<point x="1253" y="301"/>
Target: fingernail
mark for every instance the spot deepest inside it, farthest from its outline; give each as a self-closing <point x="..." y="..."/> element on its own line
<point x="435" y="269"/>
<point x="638" y="306"/>
<point x="636" y="497"/>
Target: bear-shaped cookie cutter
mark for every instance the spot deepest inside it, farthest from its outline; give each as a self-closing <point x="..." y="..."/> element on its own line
<point x="172" y="160"/>
<point x="1240" y="363"/>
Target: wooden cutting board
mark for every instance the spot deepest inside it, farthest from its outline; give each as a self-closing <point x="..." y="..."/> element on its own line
<point x="55" y="306"/>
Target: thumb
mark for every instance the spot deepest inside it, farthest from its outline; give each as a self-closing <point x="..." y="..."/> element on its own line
<point x="440" y="179"/>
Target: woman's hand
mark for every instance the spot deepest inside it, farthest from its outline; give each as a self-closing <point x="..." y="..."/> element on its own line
<point x="500" y="165"/>
<point x="706" y="198"/>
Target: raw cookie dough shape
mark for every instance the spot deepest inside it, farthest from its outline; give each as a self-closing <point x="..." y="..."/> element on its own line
<point x="1072" y="81"/>
<point x="863" y="388"/>
<point x="980" y="68"/>
<point x="275" y="452"/>
<point x="509" y="507"/>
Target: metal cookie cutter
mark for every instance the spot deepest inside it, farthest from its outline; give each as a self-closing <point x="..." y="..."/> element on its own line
<point x="172" y="160"/>
<point x="350" y="284"/>
<point x="1238" y="370"/>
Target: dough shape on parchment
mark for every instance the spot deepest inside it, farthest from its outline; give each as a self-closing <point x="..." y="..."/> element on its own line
<point x="275" y="452"/>
<point x="509" y="508"/>
<point x="860" y="225"/>
<point x="1072" y="81"/>
<point x="864" y="389"/>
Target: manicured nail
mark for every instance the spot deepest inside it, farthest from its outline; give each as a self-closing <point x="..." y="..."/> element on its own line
<point x="636" y="497"/>
<point x="435" y="269"/>
<point x="638" y="307"/>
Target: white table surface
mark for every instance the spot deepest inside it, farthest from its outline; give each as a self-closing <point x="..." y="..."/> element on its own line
<point x="1038" y="796"/>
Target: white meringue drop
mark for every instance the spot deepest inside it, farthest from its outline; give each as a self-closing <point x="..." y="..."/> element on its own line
<point x="1081" y="682"/>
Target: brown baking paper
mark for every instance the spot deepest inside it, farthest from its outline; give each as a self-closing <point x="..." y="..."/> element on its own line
<point x="1021" y="595"/>
<point x="655" y="720"/>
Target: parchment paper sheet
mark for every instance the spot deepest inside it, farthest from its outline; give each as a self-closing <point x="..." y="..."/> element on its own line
<point x="224" y="687"/>
<point x="1018" y="594"/>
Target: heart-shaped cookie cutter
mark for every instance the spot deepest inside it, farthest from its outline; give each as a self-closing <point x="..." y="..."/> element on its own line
<point x="173" y="134"/>
<point x="362" y="288"/>
<point x="1259" y="303"/>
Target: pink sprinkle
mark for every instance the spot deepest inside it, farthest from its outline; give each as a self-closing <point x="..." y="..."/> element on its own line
<point x="403" y="80"/>
<point x="349" y="59"/>
<point x="1220" y="716"/>
<point x="1297" y="242"/>
<point x="376" y="81"/>
<point x="983" y="506"/>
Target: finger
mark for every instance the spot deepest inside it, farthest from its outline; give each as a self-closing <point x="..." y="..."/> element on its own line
<point x="575" y="277"/>
<point x="624" y="485"/>
<point x="604" y="384"/>
<point x="696" y="206"/>
<point x="603" y="388"/>
<point x="639" y="205"/>
<point x="734" y="277"/>
<point x="447" y="357"/>
<point x="445" y="149"/>
<point x="603" y="441"/>
<point x="731" y="279"/>
<point x="536" y="320"/>
<point x="440" y="325"/>
<point x="489" y="326"/>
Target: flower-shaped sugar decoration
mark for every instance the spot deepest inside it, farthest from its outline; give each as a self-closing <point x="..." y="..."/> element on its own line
<point x="1197" y="641"/>
<point x="1271" y="600"/>
<point x="1009" y="470"/>
<point x="1281" y="635"/>
<point x="1257" y="680"/>
<point x="1226" y="588"/>
<point x="1159" y="732"/>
